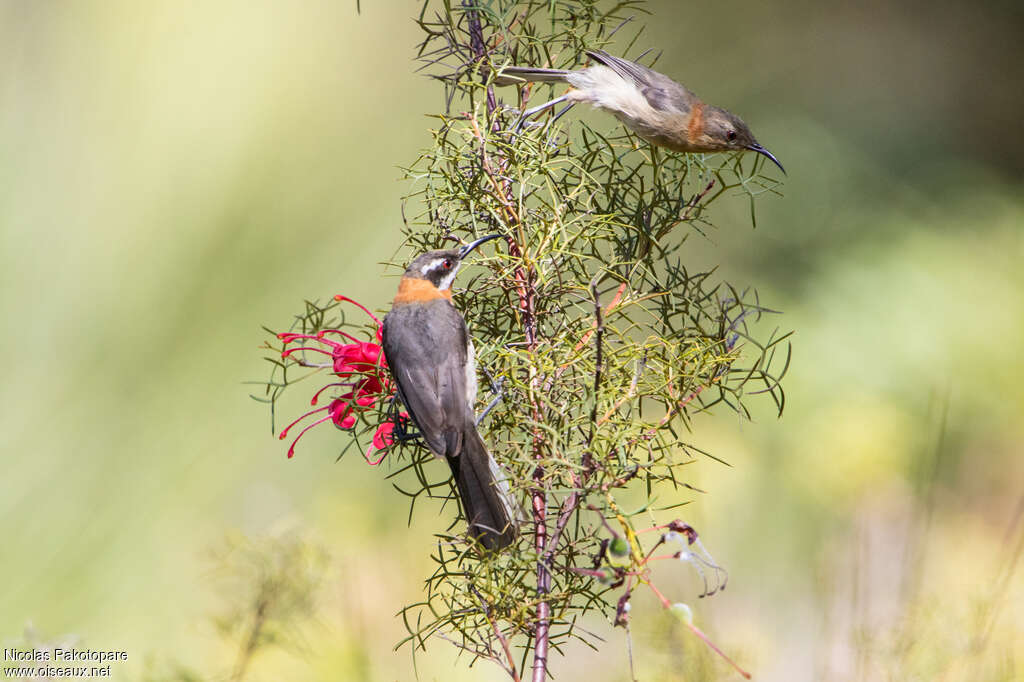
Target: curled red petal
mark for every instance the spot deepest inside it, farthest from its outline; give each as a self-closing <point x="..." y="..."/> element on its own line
<point x="370" y="386"/>
<point x="384" y="436"/>
<point x="340" y="409"/>
<point x="371" y="352"/>
<point x="343" y="369"/>
<point x="372" y="461"/>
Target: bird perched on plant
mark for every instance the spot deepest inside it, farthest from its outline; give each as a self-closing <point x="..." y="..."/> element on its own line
<point x="430" y="354"/>
<point x="651" y="104"/>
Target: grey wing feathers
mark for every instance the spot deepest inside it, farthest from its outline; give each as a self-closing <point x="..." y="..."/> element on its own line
<point x="425" y="407"/>
<point x="426" y="351"/>
<point x="625" y="68"/>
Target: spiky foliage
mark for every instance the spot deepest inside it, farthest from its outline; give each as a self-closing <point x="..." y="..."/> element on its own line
<point x="603" y="342"/>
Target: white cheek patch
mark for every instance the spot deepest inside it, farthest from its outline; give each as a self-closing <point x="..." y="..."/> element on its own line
<point x="432" y="265"/>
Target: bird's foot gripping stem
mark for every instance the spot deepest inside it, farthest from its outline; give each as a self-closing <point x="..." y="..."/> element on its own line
<point x="499" y="393"/>
<point x="540" y="108"/>
<point x="404" y="431"/>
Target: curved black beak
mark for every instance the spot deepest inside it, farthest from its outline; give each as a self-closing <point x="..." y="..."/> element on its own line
<point x="468" y="248"/>
<point x="761" y="150"/>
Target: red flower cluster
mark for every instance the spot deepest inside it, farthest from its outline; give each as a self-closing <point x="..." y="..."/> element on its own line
<point x="363" y="371"/>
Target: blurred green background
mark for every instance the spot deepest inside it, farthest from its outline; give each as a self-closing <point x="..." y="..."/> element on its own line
<point x="172" y="176"/>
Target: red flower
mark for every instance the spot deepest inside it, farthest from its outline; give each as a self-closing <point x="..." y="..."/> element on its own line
<point x="361" y="365"/>
<point x="346" y="358"/>
<point x="384" y="437"/>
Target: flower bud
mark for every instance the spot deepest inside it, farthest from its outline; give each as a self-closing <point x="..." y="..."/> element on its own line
<point x="682" y="613"/>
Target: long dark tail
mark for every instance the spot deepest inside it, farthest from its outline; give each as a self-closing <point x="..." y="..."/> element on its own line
<point x="490" y="508"/>
<point x="512" y="75"/>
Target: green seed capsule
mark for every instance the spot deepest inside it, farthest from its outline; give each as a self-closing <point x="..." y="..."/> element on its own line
<point x="619" y="547"/>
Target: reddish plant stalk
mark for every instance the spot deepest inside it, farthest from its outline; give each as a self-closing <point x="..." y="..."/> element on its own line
<point x="526" y="294"/>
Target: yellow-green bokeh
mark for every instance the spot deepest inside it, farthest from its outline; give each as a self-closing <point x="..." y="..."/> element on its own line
<point x="175" y="175"/>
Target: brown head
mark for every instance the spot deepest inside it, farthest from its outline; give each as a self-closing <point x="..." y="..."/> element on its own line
<point x="723" y="131"/>
<point x="430" y="275"/>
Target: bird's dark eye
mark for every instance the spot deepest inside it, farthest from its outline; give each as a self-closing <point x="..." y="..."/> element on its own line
<point x="731" y="136"/>
<point x="447" y="264"/>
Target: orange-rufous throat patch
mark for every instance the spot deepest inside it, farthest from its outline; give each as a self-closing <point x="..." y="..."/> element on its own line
<point x="695" y="128"/>
<point x="412" y="290"/>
